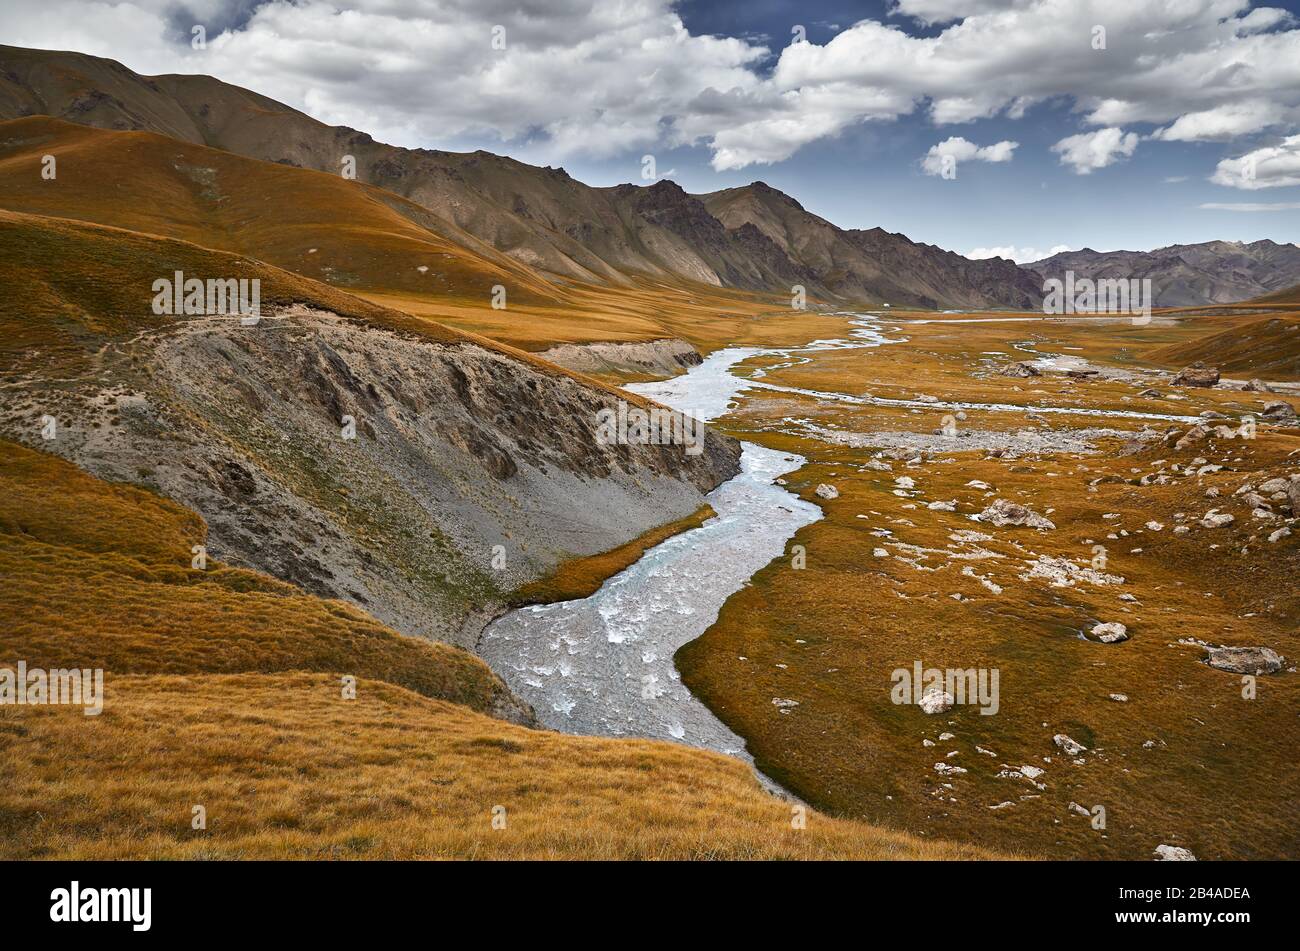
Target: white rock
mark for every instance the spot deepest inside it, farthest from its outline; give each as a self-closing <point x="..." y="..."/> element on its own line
<point x="1112" y="632"/>
<point x="1217" y="519"/>
<point x="825" y="491"/>
<point x="1172" y="853"/>
<point x="1119" y="697"/>
<point x="1155" y="526"/>
<point x="1068" y="746"/>
<point x="935" y="700"/>
<point x="945" y="769"/>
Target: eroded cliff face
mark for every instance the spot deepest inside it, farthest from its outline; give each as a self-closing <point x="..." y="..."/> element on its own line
<point x="667" y="357"/>
<point x="421" y="480"/>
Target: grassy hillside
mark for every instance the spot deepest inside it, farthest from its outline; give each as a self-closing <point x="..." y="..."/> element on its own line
<point x="1267" y="347"/>
<point x="222" y="689"/>
<point x="321" y="225"/>
<point x="99" y="575"/>
<point x="341" y="234"/>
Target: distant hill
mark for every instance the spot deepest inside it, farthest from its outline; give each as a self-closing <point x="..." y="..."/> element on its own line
<point x="540" y="217"/>
<point x="1188" y="275"/>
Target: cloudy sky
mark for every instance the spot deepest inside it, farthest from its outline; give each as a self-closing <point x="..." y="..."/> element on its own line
<point x="1016" y="126"/>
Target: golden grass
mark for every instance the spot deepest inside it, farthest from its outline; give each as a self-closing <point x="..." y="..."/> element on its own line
<point x="332" y="229"/>
<point x="286" y="768"/>
<point x="99" y="575"/>
<point x="582" y="577"/>
<point x="1268" y="347"/>
<point x="222" y="689"/>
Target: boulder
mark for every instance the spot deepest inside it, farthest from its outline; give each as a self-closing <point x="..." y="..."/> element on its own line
<point x="1004" y="512"/>
<point x="1022" y="369"/>
<point x="1278" y="409"/>
<point x="1257" y="386"/>
<point x="935" y="700"/>
<point x="825" y="491"/>
<point x="1068" y="746"/>
<point x="1216" y="519"/>
<point x="1172" y="853"/>
<point x="1198" y="374"/>
<point x="1112" y="632"/>
<point x="1244" y="660"/>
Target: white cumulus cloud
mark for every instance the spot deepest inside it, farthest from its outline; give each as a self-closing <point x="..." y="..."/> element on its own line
<point x="1013" y="253"/>
<point x="1089" y="151"/>
<point x="952" y="151"/>
<point x="1270" y="167"/>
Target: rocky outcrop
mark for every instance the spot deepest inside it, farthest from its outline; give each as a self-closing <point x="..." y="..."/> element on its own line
<point x="421" y="480"/>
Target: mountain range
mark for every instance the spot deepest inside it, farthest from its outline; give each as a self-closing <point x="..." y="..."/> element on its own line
<point x="1189" y="275"/>
<point x="546" y="231"/>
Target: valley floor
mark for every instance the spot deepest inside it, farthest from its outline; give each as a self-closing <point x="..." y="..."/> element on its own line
<point x="899" y="572"/>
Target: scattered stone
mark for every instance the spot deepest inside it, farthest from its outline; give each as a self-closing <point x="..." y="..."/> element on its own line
<point x="935" y="700"/>
<point x="1004" y="512"/>
<point x="943" y="506"/>
<point x="1119" y="697"/>
<point x="947" y="736"/>
<point x="1154" y="526"/>
<point x="1216" y="519"/>
<point x="1257" y="386"/>
<point x="784" y="705"/>
<point x="825" y="491"/>
<point x="1022" y="369"/>
<point x="1172" y="853"/>
<point x="1244" y="660"/>
<point x="944" y="769"/>
<point x="1198" y="374"/>
<point x="879" y="553"/>
<point x="1280" y="534"/>
<point x="1068" y="746"/>
<point x="1112" y="632"/>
